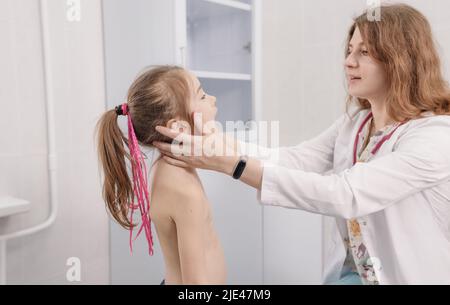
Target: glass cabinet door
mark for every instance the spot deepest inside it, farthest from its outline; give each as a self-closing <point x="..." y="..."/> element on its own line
<point x="219" y="52"/>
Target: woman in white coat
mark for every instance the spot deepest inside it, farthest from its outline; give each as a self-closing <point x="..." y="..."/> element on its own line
<point x="382" y="170"/>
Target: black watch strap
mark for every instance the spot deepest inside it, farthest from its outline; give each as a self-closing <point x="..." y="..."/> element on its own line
<point x="240" y="167"/>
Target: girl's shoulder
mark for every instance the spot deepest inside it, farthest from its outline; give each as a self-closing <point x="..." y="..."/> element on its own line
<point x="176" y="192"/>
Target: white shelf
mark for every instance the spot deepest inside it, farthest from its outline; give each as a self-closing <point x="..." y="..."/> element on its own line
<point x="10" y="206"/>
<point x="220" y="75"/>
<point x="232" y="3"/>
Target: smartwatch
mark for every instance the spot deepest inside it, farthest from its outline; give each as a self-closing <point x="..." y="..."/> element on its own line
<point x="240" y="167"/>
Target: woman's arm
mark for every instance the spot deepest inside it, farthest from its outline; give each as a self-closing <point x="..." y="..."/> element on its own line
<point x="420" y="161"/>
<point x="252" y="174"/>
<point x="314" y="155"/>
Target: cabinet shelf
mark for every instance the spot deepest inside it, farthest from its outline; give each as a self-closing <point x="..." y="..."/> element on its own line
<point x="219" y="38"/>
<point x="232" y="3"/>
<point x="221" y="75"/>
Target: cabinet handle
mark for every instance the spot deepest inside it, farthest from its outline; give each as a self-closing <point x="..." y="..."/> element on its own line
<point x="248" y="47"/>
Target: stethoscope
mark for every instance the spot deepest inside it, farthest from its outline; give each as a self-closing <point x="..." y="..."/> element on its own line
<point x="378" y="145"/>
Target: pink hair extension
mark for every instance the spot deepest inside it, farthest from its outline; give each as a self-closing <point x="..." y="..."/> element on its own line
<point x="140" y="184"/>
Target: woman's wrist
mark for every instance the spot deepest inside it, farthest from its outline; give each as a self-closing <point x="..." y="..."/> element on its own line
<point x="226" y="165"/>
<point x="227" y="162"/>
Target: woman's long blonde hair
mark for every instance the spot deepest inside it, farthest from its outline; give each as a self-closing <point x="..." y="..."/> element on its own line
<point x="402" y="42"/>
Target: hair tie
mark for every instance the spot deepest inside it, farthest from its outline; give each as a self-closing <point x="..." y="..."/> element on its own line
<point x="122" y="109"/>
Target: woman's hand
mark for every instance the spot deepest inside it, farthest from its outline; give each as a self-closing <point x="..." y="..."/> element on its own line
<point x="214" y="151"/>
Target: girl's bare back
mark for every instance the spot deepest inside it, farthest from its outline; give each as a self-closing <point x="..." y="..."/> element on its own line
<point x="183" y="220"/>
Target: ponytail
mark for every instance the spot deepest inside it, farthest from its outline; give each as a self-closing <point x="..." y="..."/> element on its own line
<point x="119" y="191"/>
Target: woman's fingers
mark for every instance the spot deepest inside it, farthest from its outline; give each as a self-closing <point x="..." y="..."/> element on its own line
<point x="175" y="135"/>
<point x="163" y="147"/>
<point x="173" y="150"/>
<point x="175" y="162"/>
<point x="167" y="132"/>
<point x="180" y="158"/>
<point x="198" y="124"/>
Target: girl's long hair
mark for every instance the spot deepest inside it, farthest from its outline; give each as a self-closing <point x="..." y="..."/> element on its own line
<point x="158" y="95"/>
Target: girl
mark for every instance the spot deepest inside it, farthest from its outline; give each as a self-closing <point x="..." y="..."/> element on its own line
<point x="167" y="96"/>
<point x="389" y="187"/>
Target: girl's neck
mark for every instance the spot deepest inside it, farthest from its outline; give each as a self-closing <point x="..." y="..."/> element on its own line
<point x="162" y="161"/>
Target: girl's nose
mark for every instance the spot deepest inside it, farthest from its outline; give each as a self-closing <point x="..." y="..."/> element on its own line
<point x="213" y="99"/>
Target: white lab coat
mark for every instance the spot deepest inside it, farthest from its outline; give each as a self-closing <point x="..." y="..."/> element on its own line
<point x="401" y="196"/>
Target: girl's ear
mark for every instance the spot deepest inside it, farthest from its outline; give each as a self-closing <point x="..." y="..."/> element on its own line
<point x="172" y="124"/>
<point x="178" y="125"/>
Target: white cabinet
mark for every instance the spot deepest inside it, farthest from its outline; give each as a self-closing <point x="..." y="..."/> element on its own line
<point x="219" y="41"/>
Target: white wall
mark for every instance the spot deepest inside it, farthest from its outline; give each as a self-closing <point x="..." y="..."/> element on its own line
<point x="303" y="88"/>
<point x="81" y="228"/>
<point x="299" y="91"/>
